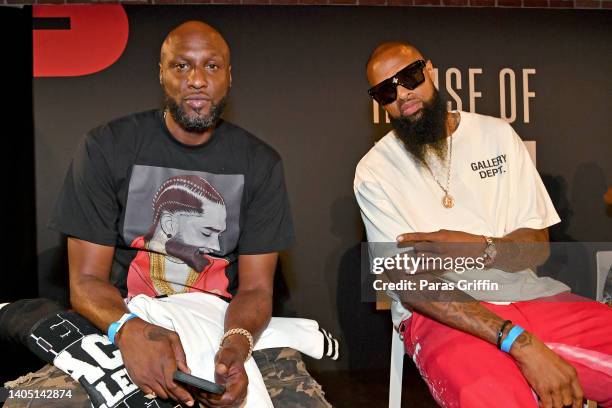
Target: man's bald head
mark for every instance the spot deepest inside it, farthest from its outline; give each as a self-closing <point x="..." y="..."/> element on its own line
<point x="195" y="74"/>
<point x="387" y="51"/>
<point x="194" y="31"/>
<point x="394" y="47"/>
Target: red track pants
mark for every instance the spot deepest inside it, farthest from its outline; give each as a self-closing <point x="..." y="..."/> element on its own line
<point x="467" y="372"/>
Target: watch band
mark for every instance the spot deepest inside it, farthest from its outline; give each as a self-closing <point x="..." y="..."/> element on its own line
<point x="490" y="252"/>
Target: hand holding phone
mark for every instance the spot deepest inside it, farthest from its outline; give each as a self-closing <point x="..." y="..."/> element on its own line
<point x="198" y="382"/>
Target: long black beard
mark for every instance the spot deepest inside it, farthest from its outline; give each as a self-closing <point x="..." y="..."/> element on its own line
<point x="425" y="134"/>
<point x="198" y="124"/>
<point x="189" y="254"/>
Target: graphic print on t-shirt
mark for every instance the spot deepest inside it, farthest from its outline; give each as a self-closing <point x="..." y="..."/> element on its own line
<point x="185" y="224"/>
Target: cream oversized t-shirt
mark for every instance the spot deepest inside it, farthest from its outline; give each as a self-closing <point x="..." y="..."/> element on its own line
<point x="495" y="186"/>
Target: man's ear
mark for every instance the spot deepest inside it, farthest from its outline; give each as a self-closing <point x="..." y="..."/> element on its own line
<point x="430" y="72"/>
<point x="161" y="81"/>
<point x="230" y="76"/>
<point x="169" y="224"/>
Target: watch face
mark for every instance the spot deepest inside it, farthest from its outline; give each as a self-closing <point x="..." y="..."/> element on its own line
<point x="490" y="250"/>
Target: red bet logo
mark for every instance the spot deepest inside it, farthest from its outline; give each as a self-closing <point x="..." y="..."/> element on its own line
<point x="94" y="37"/>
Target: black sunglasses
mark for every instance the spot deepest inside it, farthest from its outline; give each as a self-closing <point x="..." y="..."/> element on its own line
<point x="409" y="77"/>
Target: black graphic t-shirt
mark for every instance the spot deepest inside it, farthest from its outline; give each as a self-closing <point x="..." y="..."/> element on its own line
<point x="178" y="215"/>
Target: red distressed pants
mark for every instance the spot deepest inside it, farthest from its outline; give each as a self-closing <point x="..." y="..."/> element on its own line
<point x="464" y="371"/>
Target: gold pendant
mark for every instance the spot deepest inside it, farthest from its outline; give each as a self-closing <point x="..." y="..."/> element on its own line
<point x="448" y="201"/>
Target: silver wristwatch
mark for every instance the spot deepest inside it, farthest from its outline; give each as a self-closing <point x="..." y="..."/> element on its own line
<point x="490" y="251"/>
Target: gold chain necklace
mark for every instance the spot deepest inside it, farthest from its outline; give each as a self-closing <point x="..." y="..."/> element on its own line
<point x="157" y="269"/>
<point x="447" y="201"/>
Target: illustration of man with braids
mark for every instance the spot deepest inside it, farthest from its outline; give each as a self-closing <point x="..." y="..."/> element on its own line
<point x="188" y="217"/>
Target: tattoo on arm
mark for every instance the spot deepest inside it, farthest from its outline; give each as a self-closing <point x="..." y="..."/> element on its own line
<point x="522" y="341"/>
<point x="521" y="249"/>
<point x="454" y="308"/>
<point x="154" y="333"/>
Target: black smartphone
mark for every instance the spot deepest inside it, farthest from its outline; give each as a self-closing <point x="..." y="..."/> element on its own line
<point x="198" y="382"/>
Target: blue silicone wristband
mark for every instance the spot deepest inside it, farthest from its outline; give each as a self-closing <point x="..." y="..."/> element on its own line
<point x="511" y="337"/>
<point x="116" y="326"/>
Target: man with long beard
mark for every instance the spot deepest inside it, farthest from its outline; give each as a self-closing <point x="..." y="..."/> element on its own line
<point x="177" y="200"/>
<point x="458" y="184"/>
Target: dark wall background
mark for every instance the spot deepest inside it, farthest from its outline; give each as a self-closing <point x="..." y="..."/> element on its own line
<point x="299" y="84"/>
<point x="18" y="201"/>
